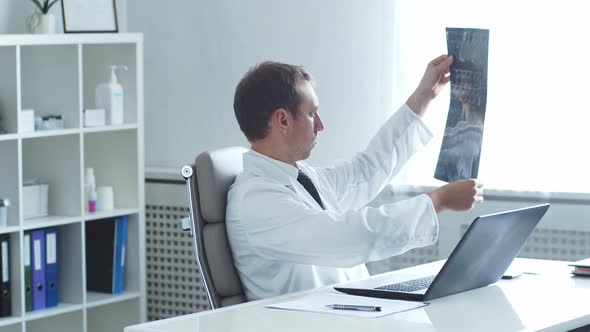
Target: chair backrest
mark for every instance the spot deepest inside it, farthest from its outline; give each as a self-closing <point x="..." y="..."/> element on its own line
<point x="208" y="183"/>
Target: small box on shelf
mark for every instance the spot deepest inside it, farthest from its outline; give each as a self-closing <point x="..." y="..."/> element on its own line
<point x="35" y="200"/>
<point x="94" y="117"/>
<point x="49" y="122"/>
<point x="27" y="121"/>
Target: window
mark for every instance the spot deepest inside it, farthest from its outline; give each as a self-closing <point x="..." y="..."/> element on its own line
<point x="537" y="115"/>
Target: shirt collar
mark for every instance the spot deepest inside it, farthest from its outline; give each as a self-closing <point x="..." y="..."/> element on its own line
<point x="263" y="165"/>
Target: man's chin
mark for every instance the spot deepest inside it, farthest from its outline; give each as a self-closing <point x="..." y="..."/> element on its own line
<point x="306" y="155"/>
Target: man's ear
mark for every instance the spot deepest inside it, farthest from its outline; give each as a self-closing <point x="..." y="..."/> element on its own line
<point x="280" y="120"/>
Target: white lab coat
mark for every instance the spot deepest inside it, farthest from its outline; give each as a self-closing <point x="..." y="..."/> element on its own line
<point x="281" y="239"/>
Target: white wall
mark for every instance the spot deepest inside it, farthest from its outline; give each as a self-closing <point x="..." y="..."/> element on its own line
<point x="196" y="52"/>
<point x="13" y="15"/>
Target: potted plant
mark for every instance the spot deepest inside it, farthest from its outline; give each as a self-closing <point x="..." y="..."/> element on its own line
<point x="42" y="21"/>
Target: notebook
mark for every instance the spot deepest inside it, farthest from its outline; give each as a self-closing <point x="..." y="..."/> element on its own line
<point x="480" y="258"/>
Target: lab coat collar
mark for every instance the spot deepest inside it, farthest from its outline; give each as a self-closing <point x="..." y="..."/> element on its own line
<point x="263" y="165"/>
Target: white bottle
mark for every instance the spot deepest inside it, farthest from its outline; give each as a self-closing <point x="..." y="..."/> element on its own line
<point x="109" y="96"/>
<point x="90" y="188"/>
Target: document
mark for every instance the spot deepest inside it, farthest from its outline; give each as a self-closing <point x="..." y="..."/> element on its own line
<point x="319" y="302"/>
<point x="461" y="146"/>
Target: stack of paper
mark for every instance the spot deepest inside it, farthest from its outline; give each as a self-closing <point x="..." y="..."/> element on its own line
<point x="581" y="267"/>
<point x="318" y="302"/>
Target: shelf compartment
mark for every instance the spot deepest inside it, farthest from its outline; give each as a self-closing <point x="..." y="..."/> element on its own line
<point x="55" y="161"/>
<point x="114" y="317"/>
<point x="132" y="260"/>
<point x="96" y="59"/>
<point x="108" y="153"/>
<point x="50" y="83"/>
<point x="9" y="180"/>
<point x="64" y="318"/>
<point x="69" y="259"/>
<point x="8" y="93"/>
<point x="69" y="270"/>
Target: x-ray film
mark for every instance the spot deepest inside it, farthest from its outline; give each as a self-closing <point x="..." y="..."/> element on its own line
<point x="461" y="145"/>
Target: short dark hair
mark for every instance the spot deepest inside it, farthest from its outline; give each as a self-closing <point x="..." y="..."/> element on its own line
<point x="265" y="88"/>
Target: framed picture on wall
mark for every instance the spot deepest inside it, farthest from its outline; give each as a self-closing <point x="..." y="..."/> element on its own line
<point x="82" y="16"/>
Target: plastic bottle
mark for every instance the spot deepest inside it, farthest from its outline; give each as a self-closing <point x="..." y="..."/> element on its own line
<point x="92" y="196"/>
<point x="4" y="204"/>
<point x="90" y="187"/>
<point x="109" y="96"/>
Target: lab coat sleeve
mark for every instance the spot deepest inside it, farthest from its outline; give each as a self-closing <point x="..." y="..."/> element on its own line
<point x="354" y="183"/>
<point x="287" y="230"/>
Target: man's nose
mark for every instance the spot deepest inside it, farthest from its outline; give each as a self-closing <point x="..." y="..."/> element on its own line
<point x="319" y="125"/>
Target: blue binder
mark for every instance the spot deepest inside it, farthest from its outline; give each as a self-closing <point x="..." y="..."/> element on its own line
<point x="120" y="252"/>
<point x="38" y="255"/>
<point x="51" y="284"/>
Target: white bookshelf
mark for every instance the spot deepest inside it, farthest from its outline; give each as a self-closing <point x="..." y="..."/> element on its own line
<point x="57" y="74"/>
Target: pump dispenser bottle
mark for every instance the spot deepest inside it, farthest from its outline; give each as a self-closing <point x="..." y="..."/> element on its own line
<point x="109" y="96"/>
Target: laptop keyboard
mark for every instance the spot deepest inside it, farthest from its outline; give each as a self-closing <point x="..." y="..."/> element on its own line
<point x="409" y="286"/>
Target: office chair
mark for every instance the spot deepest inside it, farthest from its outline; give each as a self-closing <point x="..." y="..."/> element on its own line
<point x="207" y="182"/>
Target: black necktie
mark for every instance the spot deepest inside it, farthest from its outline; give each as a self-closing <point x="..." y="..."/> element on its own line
<point x="308" y="185"/>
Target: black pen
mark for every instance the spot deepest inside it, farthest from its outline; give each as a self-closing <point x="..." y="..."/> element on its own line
<point x="353" y="307"/>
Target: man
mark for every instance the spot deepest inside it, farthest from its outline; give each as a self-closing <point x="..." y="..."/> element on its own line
<point x="293" y="227"/>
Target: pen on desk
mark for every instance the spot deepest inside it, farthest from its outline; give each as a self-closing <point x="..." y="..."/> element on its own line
<point x="353" y="307"/>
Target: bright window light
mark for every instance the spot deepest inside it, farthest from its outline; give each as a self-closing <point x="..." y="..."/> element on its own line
<point x="537" y="123"/>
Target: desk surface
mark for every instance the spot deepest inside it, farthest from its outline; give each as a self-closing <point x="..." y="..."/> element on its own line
<point x="550" y="300"/>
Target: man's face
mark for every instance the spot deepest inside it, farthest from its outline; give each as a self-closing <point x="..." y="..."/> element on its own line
<point x="306" y="124"/>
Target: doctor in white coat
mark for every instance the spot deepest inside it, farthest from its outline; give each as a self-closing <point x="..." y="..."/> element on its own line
<point x="292" y="226"/>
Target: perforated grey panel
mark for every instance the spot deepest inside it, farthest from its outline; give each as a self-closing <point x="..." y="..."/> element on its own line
<point x="411" y="258"/>
<point x="174" y="284"/>
<point x="554" y="244"/>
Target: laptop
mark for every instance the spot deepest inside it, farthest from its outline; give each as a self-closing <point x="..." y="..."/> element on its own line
<point x="482" y="256"/>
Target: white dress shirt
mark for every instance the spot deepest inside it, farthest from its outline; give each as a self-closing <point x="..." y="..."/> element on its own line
<point x="281" y="239"/>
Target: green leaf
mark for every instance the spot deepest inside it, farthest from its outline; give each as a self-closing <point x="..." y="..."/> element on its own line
<point x="38" y="4"/>
<point x="51" y="4"/>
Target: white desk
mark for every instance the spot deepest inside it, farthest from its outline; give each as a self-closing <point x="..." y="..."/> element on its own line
<point x="552" y="300"/>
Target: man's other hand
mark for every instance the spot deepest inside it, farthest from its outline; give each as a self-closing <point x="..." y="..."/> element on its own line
<point x="457" y="196"/>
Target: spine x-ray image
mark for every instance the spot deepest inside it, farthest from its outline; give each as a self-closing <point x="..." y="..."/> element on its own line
<point x="461" y="145"/>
